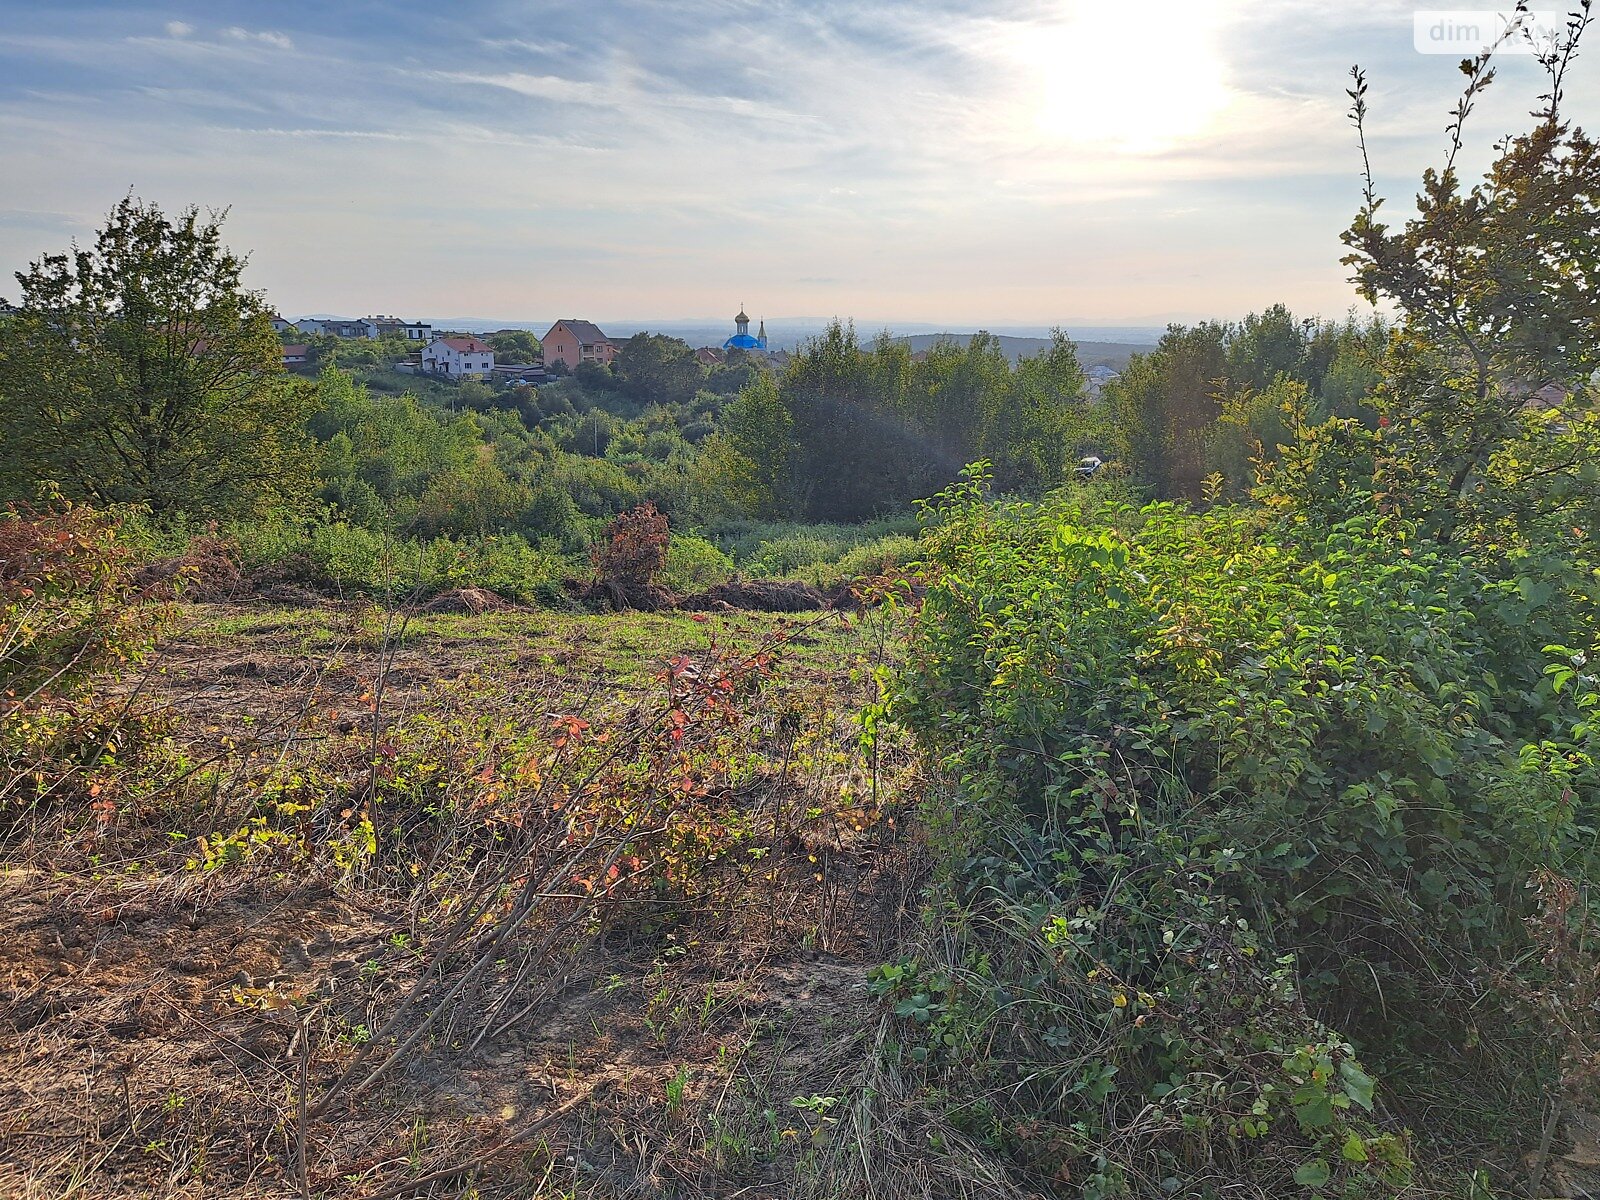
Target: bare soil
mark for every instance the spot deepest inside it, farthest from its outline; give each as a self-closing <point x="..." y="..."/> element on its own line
<point x="169" y="1032"/>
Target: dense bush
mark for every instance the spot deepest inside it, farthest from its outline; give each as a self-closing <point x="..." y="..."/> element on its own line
<point x="693" y="564"/>
<point x="878" y="557"/>
<point x="71" y="622"/>
<point x="358" y="560"/>
<point x="780" y="545"/>
<point x="1240" y="810"/>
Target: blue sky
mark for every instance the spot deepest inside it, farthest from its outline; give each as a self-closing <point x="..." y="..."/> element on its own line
<point x="999" y="162"/>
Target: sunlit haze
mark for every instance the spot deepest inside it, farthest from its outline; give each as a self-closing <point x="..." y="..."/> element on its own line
<point x="971" y="164"/>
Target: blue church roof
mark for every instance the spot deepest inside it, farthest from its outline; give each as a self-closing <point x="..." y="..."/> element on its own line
<point x="742" y="339"/>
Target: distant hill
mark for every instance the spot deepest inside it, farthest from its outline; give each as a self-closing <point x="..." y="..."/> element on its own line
<point x="1113" y="354"/>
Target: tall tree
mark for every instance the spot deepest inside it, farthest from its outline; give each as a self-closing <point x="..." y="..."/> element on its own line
<point x="653" y="368"/>
<point x="141" y="370"/>
<point x="1488" y="399"/>
<point x="1165" y="402"/>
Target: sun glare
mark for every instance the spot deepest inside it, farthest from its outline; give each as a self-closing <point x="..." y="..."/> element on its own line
<point x="1134" y="79"/>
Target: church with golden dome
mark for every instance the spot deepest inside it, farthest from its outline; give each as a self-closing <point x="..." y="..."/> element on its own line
<point x="742" y="340"/>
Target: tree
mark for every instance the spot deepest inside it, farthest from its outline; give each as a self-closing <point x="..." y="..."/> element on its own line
<point x="654" y="368"/>
<point x="1039" y="424"/>
<point x="1164" y="404"/>
<point x="140" y="370"/>
<point x="1263" y="347"/>
<point x="515" y="346"/>
<point x="1254" y="428"/>
<point x="1487" y="399"/>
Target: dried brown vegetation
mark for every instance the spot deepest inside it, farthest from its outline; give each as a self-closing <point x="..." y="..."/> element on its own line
<point x="378" y="904"/>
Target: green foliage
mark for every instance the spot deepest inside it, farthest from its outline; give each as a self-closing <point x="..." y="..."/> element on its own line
<point x="70" y="625"/>
<point x="693" y="564"/>
<point x="819" y="553"/>
<point x="141" y="371"/>
<point x="1205" y="398"/>
<point x="1229" y="794"/>
<point x="1254" y="428"/>
<point x="654" y="368"/>
<point x="849" y="432"/>
<point x="515" y="346"/>
<point x="880" y="556"/>
<point x="1488" y="388"/>
<point x="356" y="559"/>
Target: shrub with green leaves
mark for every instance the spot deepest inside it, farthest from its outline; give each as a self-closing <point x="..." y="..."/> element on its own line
<point x="1239" y="815"/>
<point x="694" y="564"/>
<point x="72" y="620"/>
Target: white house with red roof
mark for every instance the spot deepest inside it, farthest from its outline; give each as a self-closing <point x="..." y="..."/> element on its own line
<point x="458" y="357"/>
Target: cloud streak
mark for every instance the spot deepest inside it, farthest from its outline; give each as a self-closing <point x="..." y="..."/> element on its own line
<point x="955" y="161"/>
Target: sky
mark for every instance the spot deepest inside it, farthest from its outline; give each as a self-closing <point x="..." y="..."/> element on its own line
<point x="965" y="162"/>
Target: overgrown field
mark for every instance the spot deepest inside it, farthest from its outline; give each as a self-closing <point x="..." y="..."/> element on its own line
<point x="1125" y="852"/>
<point x="341" y="901"/>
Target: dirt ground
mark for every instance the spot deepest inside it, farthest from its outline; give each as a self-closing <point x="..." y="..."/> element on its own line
<point x="174" y="1032"/>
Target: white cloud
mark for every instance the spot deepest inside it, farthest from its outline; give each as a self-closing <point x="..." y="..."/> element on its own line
<point x="371" y="134"/>
<point x="1009" y="159"/>
<point x="265" y="36"/>
<point x="541" y="87"/>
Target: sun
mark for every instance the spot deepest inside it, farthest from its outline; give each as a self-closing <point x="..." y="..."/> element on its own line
<point x="1135" y="80"/>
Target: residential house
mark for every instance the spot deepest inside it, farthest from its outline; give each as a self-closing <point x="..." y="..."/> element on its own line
<point x="1097" y="377"/>
<point x="279" y="325"/>
<point x="571" y="342"/>
<point x="380" y="326"/>
<point x="417" y="331"/>
<point x="339" y="327"/>
<point x="710" y="356"/>
<point x="459" y="358"/>
<point x="295" y="356"/>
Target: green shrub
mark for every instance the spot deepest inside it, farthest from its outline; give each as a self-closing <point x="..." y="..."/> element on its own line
<point x="879" y="556"/>
<point x="787" y="554"/>
<point x="778" y="549"/>
<point x="358" y="559"/>
<point x="694" y="564"/>
<point x="1228" y="796"/>
<point x="72" y="621"/>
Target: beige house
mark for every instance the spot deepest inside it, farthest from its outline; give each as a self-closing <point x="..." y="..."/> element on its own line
<point x="571" y="342"/>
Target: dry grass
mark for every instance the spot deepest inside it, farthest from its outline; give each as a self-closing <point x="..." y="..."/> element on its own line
<point x="454" y="1013"/>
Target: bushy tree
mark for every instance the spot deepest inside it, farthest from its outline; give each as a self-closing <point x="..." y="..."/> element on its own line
<point x="1254" y="428"/>
<point x="1488" y="391"/>
<point x="1167" y="407"/>
<point x="515" y="346"/>
<point x="140" y="369"/>
<point x="652" y="368"/>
